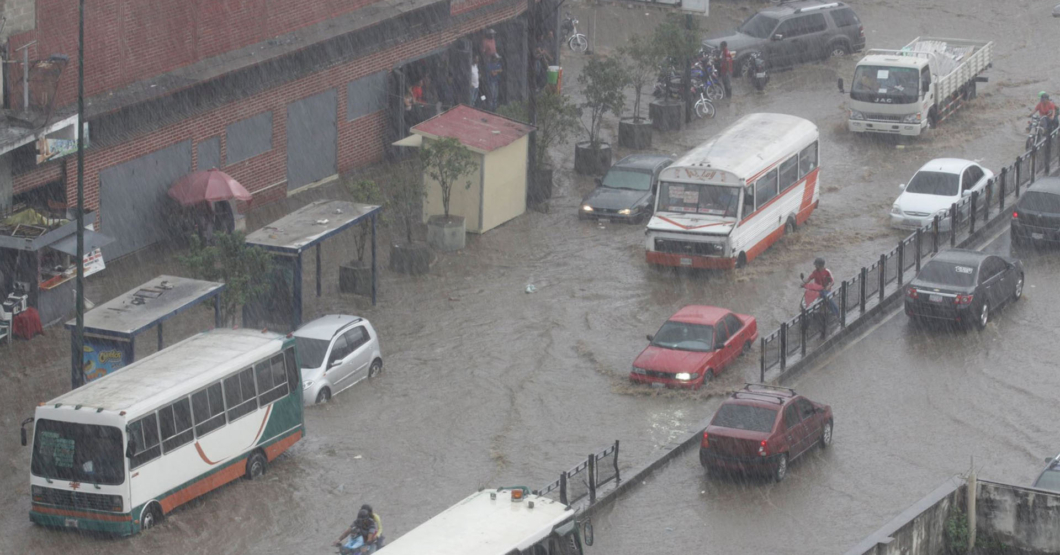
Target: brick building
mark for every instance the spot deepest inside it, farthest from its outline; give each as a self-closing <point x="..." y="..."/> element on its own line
<point x="279" y="94"/>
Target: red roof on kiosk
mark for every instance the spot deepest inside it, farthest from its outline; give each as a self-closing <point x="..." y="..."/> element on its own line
<point x="699" y="314"/>
<point x="477" y="130"/>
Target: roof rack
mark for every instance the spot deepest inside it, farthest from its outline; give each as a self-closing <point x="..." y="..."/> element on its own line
<point x="757" y="396"/>
<point x="343" y="327"/>
<point x="768" y="387"/>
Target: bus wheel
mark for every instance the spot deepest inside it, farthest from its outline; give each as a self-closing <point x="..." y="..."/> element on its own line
<point x="789" y="226"/>
<point x="150" y="516"/>
<point x="256" y="465"/>
<point x="741" y="260"/>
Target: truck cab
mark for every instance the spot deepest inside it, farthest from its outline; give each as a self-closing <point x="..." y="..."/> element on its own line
<point x="891" y="94"/>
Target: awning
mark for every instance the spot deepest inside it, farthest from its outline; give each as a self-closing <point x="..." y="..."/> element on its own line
<point x="414" y="141"/>
<point x="93" y="241"/>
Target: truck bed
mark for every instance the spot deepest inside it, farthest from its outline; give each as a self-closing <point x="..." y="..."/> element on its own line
<point x="957" y="61"/>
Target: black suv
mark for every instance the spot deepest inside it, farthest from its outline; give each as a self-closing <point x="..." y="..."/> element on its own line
<point x="794" y="33"/>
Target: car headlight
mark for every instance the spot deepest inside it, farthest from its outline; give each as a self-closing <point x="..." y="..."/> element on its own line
<point x="306" y="384"/>
<point x="587" y="208"/>
<point x="683" y="376"/>
<point x="896" y="210"/>
<point x="639" y="371"/>
<point x="625" y="211"/>
<point x="854" y="114"/>
<point x="912" y="118"/>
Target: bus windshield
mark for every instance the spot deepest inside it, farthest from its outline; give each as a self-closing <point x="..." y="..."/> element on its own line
<point x="886" y="85"/>
<point x="75" y="452"/>
<point x="691" y="198"/>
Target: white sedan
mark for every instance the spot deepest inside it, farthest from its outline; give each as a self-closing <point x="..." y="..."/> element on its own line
<point x="933" y="189"/>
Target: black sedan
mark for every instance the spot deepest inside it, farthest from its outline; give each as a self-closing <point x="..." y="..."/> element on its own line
<point x="963" y="286"/>
<point x="627" y="192"/>
<point x="1050" y="477"/>
<point x="1036" y="218"/>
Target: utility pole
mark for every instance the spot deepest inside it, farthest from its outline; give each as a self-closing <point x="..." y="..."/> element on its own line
<point x="77" y="379"/>
<point x="686" y="82"/>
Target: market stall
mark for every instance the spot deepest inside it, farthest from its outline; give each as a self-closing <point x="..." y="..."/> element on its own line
<point x="292" y="235"/>
<point x="112" y="327"/>
<point x="37" y="269"/>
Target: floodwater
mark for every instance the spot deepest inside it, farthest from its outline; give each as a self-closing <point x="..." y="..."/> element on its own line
<point x="487" y="385"/>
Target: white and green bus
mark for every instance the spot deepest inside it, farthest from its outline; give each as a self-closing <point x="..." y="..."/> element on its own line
<point x="503" y="521"/>
<point x="118" y="454"/>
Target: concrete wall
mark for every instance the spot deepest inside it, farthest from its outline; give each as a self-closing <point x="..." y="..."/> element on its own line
<point x="504" y="183"/>
<point x="1019" y="517"/>
<point x="918" y="530"/>
<point x="21" y="16"/>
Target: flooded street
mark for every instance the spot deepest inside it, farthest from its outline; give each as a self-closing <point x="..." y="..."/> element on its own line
<point x="486" y="384"/>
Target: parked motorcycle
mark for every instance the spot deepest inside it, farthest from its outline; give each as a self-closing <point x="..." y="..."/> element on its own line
<point x="1037" y="129"/>
<point x="758" y="73"/>
<point x="704" y="107"/>
<point x="575" y="41"/>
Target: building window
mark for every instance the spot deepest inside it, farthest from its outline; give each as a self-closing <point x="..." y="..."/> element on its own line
<point x="365" y="96"/>
<point x="248" y="138"/>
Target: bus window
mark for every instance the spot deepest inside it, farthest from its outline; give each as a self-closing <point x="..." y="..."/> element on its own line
<point x="240" y="397"/>
<point x="209" y="409"/>
<point x="748" y="200"/>
<point x="292" y="369"/>
<point x="272" y="379"/>
<point x="808" y="160"/>
<point x="789" y="173"/>
<point x="144" y="437"/>
<point x="766" y="188"/>
<point x="174" y="421"/>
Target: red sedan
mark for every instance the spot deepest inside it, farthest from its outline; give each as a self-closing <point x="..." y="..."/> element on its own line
<point x="693" y="346"/>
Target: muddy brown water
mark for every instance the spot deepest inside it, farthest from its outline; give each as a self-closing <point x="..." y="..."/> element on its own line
<point x="487" y="385"/>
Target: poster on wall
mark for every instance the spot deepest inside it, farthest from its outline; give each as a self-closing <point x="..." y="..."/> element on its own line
<point x="103" y="356"/>
<point x="94" y="262"/>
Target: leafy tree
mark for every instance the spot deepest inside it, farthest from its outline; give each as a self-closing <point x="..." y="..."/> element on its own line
<point x="446" y="161"/>
<point x="645" y="58"/>
<point x="405" y="195"/>
<point x="602" y="81"/>
<point x="242" y="268"/>
<point x="674" y="41"/>
<point x="557" y="120"/>
<point x="365" y="191"/>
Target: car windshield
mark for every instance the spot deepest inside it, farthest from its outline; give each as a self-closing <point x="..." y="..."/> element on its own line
<point x="1038" y="201"/>
<point x="885" y="85"/>
<point x="934" y="183"/>
<point x="311" y="351"/>
<point x="714" y="200"/>
<point x="627" y="179"/>
<point x="758" y="26"/>
<point x="745" y="417"/>
<point x="948" y="273"/>
<point x="73" y="452"/>
<point x="1050" y="480"/>
<point x="685" y="337"/>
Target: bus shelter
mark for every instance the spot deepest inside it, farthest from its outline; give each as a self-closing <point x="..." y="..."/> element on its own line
<point x="112" y="327"/>
<point x="292" y="235"/>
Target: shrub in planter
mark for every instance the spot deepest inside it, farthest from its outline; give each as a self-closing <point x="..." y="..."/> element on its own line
<point x="643" y="60"/>
<point x="355" y="276"/>
<point x="556" y="120"/>
<point x="677" y="42"/>
<point x="602" y="82"/>
<point x="447" y="161"/>
<point x="404" y="201"/>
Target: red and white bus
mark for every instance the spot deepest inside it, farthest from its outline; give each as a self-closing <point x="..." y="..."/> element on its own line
<point x="729" y="199"/>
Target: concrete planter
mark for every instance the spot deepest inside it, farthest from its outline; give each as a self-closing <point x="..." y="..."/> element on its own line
<point x="665" y="115"/>
<point x="592" y="161"/>
<point x="540" y="186"/>
<point x="413" y="259"/>
<point x="355" y="277"/>
<point x="446" y="234"/>
<point x="634" y="133"/>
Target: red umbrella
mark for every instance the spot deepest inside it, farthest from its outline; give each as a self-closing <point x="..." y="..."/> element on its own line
<point x="207" y="186"/>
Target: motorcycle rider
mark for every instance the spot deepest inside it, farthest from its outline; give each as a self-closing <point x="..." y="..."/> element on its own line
<point x="364" y="526"/>
<point x="378" y="523"/>
<point x="1047" y="110"/>
<point x="823" y="277"/>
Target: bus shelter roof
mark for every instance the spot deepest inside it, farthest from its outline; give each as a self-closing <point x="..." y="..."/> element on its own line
<point x="142" y="307"/>
<point x="310" y="225"/>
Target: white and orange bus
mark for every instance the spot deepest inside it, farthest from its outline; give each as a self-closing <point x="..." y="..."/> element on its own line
<point x="729" y="199"/>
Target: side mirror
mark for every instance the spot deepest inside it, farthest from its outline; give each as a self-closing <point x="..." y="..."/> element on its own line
<point x="901" y="186"/>
<point x="334" y="363"/>
<point x="802" y="276"/>
<point x="819" y="410"/>
<point x="651" y="337"/>
<point x="130" y="449"/>
<point x="599" y="181"/>
<point x="840" y="84"/>
<point x="1047" y="459"/>
<point x="778" y="36"/>
<point x="966" y="192"/>
<point x="22" y="435"/>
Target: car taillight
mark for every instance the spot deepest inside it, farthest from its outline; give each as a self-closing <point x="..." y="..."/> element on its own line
<point x="706" y="441"/>
<point x="763" y="449"/>
<point x="1015" y="215"/>
<point x="911" y="293"/>
<point x="861" y="30"/>
<point x="963" y="299"/>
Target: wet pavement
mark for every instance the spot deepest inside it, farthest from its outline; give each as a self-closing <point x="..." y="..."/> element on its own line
<point x="488" y="385"/>
<point x="913" y="406"/>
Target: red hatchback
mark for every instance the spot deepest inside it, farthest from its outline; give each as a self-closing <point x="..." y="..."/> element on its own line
<point x="693" y="346"/>
<point x="762" y="428"/>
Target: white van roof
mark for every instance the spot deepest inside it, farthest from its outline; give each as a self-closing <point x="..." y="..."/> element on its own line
<point x="173" y="372"/>
<point x="479" y="525"/>
<point x="745" y="148"/>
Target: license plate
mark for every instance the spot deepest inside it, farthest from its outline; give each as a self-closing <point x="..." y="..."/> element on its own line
<point x="1037" y="235"/>
<point x="71" y="523"/>
<point x="686" y="261"/>
<point x="760" y="74"/>
<point x="935" y="298"/>
<point x="658" y="385"/>
<point x="604" y="220"/>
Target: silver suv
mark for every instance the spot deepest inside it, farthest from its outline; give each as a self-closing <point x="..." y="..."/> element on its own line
<point x="335" y="352"/>
<point x="794" y="33"/>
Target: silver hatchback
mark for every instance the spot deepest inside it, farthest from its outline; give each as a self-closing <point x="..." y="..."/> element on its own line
<point x="335" y="352"/>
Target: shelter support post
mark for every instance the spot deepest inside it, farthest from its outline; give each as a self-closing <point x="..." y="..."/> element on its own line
<point x="217" y="311"/>
<point x="160" y="336"/>
<point x="375" y="272"/>
<point x="318" y="269"/>
<point x="296" y="315"/>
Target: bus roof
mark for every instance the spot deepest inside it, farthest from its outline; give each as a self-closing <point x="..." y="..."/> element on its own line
<point x="170" y="373"/>
<point x="479" y="525"/>
<point x="745" y="148"/>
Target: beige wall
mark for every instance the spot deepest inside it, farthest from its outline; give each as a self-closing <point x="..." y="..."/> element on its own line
<point x="462" y="202"/>
<point x="505" y="184"/>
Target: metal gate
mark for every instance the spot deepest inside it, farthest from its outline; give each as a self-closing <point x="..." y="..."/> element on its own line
<point x="132" y="198"/>
<point x="312" y="138"/>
